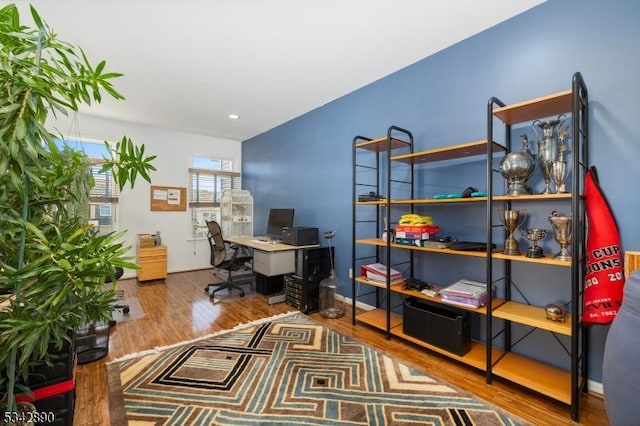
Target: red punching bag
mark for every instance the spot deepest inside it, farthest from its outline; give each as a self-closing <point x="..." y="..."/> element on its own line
<point x="604" y="279"/>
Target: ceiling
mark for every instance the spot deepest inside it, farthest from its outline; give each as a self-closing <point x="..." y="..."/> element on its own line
<point x="189" y="64"/>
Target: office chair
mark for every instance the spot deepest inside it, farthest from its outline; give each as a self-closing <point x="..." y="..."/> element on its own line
<point x="220" y="259"/>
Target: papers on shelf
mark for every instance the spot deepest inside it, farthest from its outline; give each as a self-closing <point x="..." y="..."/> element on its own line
<point x="465" y="293"/>
<point x="466" y="288"/>
<point x="378" y="272"/>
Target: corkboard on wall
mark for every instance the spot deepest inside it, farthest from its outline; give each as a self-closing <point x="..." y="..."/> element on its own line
<point x="168" y="198"/>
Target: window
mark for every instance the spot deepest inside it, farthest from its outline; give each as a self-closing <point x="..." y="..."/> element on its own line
<point x="103" y="198"/>
<point x="207" y="179"/>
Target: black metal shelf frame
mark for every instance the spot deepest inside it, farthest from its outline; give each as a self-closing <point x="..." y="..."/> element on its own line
<point x="580" y="162"/>
<point x="382" y="254"/>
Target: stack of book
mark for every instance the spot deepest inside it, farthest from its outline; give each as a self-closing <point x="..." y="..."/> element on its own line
<point x="378" y="272"/>
<point x="465" y="293"/>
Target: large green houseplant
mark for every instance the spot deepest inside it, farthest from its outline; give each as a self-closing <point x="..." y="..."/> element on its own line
<point x="52" y="264"/>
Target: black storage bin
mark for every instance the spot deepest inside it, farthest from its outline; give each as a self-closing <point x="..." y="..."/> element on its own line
<point x="269" y="285"/>
<point x="92" y="342"/>
<point x="440" y="326"/>
<point x="59" y="407"/>
<point x="63" y="362"/>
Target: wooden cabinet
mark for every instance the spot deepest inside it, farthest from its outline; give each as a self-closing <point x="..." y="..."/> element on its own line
<point x="152" y="262"/>
<point x="494" y="357"/>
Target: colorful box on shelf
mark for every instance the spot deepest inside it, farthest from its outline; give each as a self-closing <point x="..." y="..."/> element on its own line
<point x="416" y="232"/>
<point x="424" y="243"/>
<point x="413" y="242"/>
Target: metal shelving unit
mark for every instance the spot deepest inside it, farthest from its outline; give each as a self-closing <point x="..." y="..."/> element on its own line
<point x="374" y="174"/>
<point x="564" y="385"/>
<point x="557" y="383"/>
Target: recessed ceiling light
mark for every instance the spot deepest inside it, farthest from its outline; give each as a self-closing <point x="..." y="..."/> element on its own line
<point x="234" y="116"/>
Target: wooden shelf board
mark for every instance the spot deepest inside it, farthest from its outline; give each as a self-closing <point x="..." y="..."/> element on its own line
<point x="533" y="197"/>
<point x="378" y="318"/>
<point x="439" y="201"/>
<point x="397" y="288"/>
<point x="544" y="106"/>
<point x="372" y="203"/>
<point x="543" y="378"/>
<point x="476" y="357"/>
<point x="464" y="150"/>
<point x="547" y="259"/>
<point x="380" y="242"/>
<point x="533" y="316"/>
<point x="381" y="144"/>
<point x="363" y="280"/>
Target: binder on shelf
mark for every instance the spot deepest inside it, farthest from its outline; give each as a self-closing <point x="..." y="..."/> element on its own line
<point x="378" y="272"/>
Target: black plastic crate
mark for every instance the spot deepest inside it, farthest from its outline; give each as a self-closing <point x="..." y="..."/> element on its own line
<point x="446" y="328"/>
<point x="63" y="364"/>
<point x="301" y="294"/>
<point x="92" y="342"/>
<point x="59" y="407"/>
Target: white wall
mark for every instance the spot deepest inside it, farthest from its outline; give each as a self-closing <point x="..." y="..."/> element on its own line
<point x="174" y="151"/>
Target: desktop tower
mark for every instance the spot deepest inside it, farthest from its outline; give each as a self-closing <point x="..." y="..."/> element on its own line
<point x="302" y="289"/>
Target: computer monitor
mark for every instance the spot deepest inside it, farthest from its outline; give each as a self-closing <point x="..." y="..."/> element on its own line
<point x="278" y="219"/>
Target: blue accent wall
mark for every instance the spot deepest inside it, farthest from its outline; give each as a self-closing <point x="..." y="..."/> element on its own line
<point x="442" y="99"/>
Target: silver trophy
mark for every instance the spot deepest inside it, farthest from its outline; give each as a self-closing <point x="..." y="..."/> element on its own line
<point x="558" y="175"/>
<point x="533" y="235"/>
<point x="512" y="219"/>
<point x="548" y="151"/>
<point x="559" y="167"/>
<point x="562" y="230"/>
<point x="516" y="167"/>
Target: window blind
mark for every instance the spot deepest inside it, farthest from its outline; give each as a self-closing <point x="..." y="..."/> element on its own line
<point x="105" y="189"/>
<point x="206" y="186"/>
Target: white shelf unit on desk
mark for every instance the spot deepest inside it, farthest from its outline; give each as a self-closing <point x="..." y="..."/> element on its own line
<point x="236" y="213"/>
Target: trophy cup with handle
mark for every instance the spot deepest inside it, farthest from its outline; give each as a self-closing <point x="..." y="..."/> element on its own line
<point x="511" y="220"/>
<point x="562" y="230"/>
<point x="533" y="235"/>
<point x="547" y="147"/>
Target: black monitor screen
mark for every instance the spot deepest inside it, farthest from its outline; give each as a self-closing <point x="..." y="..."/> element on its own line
<point x="278" y="219"/>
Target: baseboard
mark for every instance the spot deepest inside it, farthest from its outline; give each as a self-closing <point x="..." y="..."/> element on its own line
<point x="363" y="306"/>
<point x="595" y="388"/>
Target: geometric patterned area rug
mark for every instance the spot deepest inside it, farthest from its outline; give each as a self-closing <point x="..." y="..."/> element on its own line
<point x="284" y="370"/>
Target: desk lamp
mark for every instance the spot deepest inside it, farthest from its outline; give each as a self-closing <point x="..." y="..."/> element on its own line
<point x="331" y="299"/>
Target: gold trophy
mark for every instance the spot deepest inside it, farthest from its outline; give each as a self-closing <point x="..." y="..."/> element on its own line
<point x="511" y="220"/>
<point x="562" y="230"/>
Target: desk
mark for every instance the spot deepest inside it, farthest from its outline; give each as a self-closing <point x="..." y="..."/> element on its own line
<point x="270" y="259"/>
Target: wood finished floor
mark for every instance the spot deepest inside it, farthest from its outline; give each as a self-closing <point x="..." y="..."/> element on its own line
<point x="178" y="309"/>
